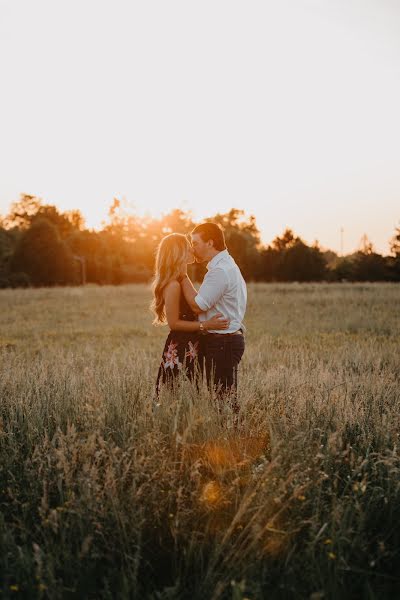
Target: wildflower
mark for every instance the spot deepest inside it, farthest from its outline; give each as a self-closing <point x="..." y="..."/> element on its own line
<point x="301" y="498"/>
<point x="332" y="555"/>
<point x="328" y="541"/>
<point x="14" y="588"/>
<point x="171" y="357"/>
<point x="193" y="351"/>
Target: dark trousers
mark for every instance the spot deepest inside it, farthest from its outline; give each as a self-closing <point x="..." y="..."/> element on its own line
<point x="222" y="354"/>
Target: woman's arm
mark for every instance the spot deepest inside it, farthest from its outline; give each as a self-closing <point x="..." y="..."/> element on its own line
<point x="171" y="298"/>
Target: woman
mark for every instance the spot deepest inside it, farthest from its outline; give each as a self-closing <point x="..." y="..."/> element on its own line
<point x="182" y="349"/>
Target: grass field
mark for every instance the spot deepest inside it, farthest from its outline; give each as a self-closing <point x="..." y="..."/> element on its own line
<point x="103" y="495"/>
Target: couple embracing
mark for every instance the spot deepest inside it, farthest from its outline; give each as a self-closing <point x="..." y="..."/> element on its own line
<point x="206" y="326"/>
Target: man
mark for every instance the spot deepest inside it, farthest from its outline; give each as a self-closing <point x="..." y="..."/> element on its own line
<point x="222" y="291"/>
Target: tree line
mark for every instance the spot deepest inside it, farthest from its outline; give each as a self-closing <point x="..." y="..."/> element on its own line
<point x="41" y="246"/>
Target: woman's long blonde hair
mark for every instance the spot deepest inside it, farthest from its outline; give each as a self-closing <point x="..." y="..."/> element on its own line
<point x="170" y="258"/>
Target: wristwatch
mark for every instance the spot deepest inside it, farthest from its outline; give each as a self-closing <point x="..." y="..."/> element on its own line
<point x="201" y="327"/>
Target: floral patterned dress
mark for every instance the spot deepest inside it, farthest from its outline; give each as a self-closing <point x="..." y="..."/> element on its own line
<point x="182" y="350"/>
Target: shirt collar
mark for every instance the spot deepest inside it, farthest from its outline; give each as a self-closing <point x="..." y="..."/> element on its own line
<point x="215" y="260"/>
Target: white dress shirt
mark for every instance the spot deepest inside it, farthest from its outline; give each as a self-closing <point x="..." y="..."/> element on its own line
<point x="223" y="290"/>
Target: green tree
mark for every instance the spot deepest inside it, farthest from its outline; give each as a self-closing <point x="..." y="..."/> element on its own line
<point x="343" y="270"/>
<point x="22" y="212"/>
<point x="28" y="209"/>
<point x="43" y="256"/>
<point x="177" y="221"/>
<point x="367" y="264"/>
<point x="394" y="262"/>
<point x="286" y="241"/>
<point x="269" y="261"/>
<point x="370" y="266"/>
<point x="395" y="242"/>
<point x="89" y="248"/>
<point x="288" y="258"/>
<point x="131" y="240"/>
<point x="300" y="262"/>
<point x="7" y="243"/>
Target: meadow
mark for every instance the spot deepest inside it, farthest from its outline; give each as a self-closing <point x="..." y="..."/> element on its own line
<point x="104" y="494"/>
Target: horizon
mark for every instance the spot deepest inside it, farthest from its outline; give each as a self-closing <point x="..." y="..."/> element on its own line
<point x="289" y="111"/>
<point x="246" y="217"/>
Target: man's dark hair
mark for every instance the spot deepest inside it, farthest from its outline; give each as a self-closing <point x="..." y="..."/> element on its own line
<point x="211" y="231"/>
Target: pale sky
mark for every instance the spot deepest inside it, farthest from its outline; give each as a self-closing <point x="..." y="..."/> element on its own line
<point x="289" y="109"/>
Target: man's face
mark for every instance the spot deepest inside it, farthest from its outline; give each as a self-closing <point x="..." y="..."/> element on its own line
<point x="201" y="249"/>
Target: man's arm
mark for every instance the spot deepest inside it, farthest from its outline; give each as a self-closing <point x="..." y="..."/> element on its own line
<point x="214" y="285"/>
<point x="190" y="292"/>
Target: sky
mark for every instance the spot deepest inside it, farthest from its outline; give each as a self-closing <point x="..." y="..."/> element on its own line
<point x="287" y="109"/>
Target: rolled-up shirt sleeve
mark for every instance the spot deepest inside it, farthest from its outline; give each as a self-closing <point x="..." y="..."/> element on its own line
<point x="214" y="285"/>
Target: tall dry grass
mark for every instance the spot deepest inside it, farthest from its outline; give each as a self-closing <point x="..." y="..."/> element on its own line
<point x="105" y="495"/>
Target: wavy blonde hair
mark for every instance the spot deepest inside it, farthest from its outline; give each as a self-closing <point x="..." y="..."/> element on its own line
<point x="170" y="258"/>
